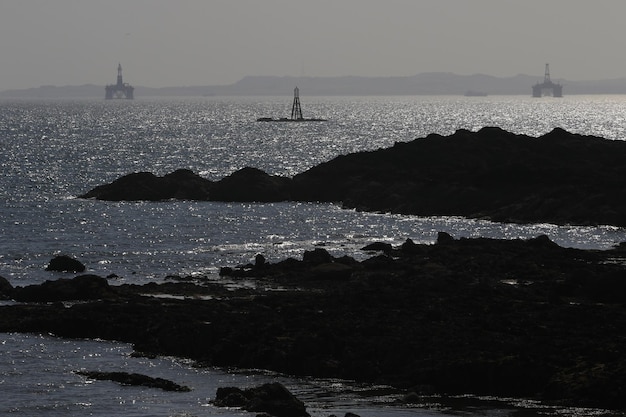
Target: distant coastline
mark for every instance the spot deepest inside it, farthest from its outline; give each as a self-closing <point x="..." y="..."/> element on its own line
<point x="432" y="83"/>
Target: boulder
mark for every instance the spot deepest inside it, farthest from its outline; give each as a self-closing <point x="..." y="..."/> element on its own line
<point x="64" y="263"/>
<point x="83" y="287"/>
<point x="272" y="398"/>
<point x="444" y="238"/>
<point x="317" y="256"/>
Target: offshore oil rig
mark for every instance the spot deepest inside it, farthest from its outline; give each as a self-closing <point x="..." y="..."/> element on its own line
<point x="120" y="90"/>
<point x="547" y="87"/>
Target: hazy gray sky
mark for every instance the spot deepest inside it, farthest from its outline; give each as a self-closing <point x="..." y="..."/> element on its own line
<point x="205" y="42"/>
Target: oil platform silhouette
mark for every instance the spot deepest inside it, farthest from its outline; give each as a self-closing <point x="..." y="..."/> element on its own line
<point x="120" y="90"/>
<point x="547" y="87"/>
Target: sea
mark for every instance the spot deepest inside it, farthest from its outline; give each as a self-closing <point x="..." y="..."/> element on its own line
<point x="53" y="150"/>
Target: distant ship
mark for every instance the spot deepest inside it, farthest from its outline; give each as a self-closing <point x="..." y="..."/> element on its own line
<point x="472" y="93"/>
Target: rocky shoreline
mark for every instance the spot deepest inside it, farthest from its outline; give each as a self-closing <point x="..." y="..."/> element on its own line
<point x="559" y="178"/>
<point x="516" y="318"/>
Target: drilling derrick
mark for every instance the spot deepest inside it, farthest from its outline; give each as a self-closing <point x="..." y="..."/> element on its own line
<point x="547" y="87"/>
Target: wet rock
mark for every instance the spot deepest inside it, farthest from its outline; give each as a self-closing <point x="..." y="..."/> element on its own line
<point x="259" y="261"/>
<point x="317" y="256"/>
<point x="516" y="318"/>
<point x="84" y="287"/>
<point x="444" y="238"/>
<point x="64" y="263"/>
<point x="6" y="289"/>
<point x="331" y="271"/>
<point x="181" y="184"/>
<point x="136" y="379"/>
<point x="272" y="398"/>
<point x="560" y="178"/>
<point x="251" y="184"/>
<point x="378" y="247"/>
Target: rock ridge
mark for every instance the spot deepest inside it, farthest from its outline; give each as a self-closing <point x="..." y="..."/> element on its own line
<point x="512" y="318"/>
<point x="560" y="178"/>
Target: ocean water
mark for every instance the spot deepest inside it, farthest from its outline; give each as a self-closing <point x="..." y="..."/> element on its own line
<point x="54" y="150"/>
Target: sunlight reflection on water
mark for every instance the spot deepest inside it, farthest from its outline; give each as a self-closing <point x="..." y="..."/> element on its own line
<point x="53" y="150"/>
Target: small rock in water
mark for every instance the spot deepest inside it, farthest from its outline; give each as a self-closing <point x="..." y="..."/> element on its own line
<point x="272" y="398"/>
<point x="64" y="263"/>
<point x="135" y="379"/>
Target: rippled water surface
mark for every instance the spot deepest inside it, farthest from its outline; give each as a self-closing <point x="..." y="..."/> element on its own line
<point x="54" y="150"/>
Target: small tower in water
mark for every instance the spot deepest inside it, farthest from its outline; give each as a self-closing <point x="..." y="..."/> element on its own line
<point x="296" y="110"/>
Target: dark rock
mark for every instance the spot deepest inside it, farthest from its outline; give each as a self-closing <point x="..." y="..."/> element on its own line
<point x="6" y="289"/>
<point x="514" y="318"/>
<point x="444" y="238"/>
<point x="64" y="263"/>
<point x="84" y="287"/>
<point x="560" y="178"/>
<point x="259" y="261"/>
<point x="317" y="256"/>
<point x="411" y="398"/>
<point x="126" y="378"/>
<point x="251" y="184"/>
<point x="542" y="241"/>
<point x="490" y="173"/>
<point x="378" y="247"/>
<point x="272" y="398"/>
<point x="409" y="246"/>
<point x="182" y="184"/>
<point x="331" y="271"/>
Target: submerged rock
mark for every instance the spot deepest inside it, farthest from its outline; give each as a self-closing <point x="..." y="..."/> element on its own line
<point x="126" y="378"/>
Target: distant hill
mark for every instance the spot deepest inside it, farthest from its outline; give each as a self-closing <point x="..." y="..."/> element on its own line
<point x="430" y="83"/>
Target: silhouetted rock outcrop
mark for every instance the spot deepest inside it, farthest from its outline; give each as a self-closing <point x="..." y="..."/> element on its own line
<point x="523" y="318"/>
<point x="251" y="184"/>
<point x="136" y="379"/>
<point x="6" y="289"/>
<point x="560" y="177"/>
<point x="271" y="398"/>
<point x="64" y="263"/>
<point x="84" y="287"/>
<point x="181" y="184"/>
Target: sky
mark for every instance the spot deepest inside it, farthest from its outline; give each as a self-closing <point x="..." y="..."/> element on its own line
<point x="163" y="43"/>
